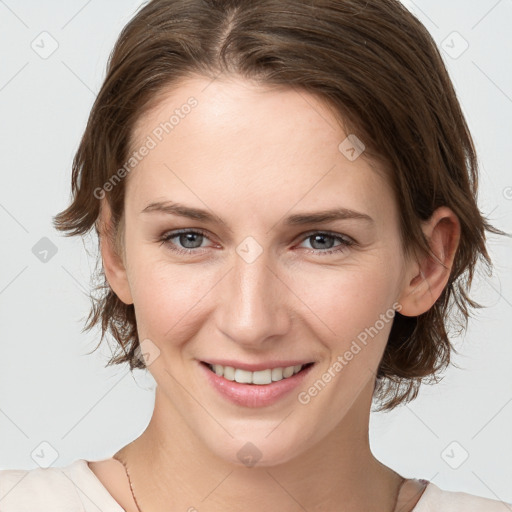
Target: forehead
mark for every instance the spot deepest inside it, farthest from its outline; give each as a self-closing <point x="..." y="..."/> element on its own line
<point x="251" y="142"/>
<point x="266" y="116"/>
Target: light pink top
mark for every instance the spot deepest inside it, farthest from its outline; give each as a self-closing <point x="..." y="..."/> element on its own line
<point x="75" y="488"/>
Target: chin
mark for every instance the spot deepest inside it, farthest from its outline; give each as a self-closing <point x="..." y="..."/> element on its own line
<point x="258" y="452"/>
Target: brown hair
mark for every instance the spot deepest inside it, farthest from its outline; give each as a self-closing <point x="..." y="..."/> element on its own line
<point x="372" y="62"/>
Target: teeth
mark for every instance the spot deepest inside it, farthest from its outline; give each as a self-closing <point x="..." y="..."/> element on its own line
<point x="260" y="377"/>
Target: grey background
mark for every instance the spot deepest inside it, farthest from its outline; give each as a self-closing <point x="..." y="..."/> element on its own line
<point x="53" y="392"/>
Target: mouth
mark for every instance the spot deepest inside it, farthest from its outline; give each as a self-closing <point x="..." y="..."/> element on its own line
<point x="260" y="388"/>
<point x="256" y="378"/>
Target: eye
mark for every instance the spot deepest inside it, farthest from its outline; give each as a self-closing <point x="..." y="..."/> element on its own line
<point x="319" y="238"/>
<point x="191" y="241"/>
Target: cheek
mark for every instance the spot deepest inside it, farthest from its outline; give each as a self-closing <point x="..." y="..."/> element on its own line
<point x="167" y="298"/>
<point x="349" y="299"/>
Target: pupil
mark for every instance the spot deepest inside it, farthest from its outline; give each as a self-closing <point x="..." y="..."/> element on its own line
<point x="189" y="238"/>
<point x="322" y="237"/>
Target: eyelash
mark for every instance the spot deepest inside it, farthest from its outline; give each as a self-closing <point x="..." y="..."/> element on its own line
<point x="345" y="241"/>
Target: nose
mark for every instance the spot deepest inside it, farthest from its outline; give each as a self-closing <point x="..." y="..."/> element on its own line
<point x="252" y="308"/>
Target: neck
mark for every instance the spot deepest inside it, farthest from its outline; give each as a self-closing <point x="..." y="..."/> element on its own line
<point x="170" y="467"/>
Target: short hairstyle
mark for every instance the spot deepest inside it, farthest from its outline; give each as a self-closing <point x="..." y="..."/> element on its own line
<point x="379" y="70"/>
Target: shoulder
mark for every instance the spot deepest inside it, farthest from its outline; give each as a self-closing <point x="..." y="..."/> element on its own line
<point x="22" y="489"/>
<point x="435" y="499"/>
<point x="72" y="488"/>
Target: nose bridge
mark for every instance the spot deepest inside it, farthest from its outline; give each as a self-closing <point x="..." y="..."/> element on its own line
<point x="252" y="297"/>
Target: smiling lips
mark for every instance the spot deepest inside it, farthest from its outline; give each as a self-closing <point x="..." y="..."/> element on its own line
<point x="260" y="377"/>
<point x="254" y="385"/>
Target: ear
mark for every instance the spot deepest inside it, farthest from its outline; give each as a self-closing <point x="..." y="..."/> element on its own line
<point x="427" y="278"/>
<point x="113" y="263"/>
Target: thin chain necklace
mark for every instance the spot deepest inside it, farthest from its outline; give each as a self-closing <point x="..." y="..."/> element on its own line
<point x="139" y="510"/>
<point x="130" y="482"/>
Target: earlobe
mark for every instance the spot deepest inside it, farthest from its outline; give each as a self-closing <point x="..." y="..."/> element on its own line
<point x="113" y="264"/>
<point x="429" y="276"/>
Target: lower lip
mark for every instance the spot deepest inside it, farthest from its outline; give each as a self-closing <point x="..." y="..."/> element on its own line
<point x="254" y="395"/>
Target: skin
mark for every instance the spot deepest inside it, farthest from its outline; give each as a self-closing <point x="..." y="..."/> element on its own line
<point x="253" y="156"/>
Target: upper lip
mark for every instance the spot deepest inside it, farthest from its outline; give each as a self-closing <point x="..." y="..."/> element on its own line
<point x="256" y="366"/>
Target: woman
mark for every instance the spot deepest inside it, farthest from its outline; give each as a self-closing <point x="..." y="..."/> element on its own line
<point x="230" y="142"/>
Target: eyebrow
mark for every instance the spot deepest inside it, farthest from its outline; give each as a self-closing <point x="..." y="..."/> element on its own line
<point x="297" y="219"/>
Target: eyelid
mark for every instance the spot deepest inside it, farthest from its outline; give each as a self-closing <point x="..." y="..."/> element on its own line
<point x="176" y="232"/>
<point x="333" y="234"/>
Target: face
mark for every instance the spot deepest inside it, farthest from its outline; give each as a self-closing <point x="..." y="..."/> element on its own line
<point x="252" y="280"/>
